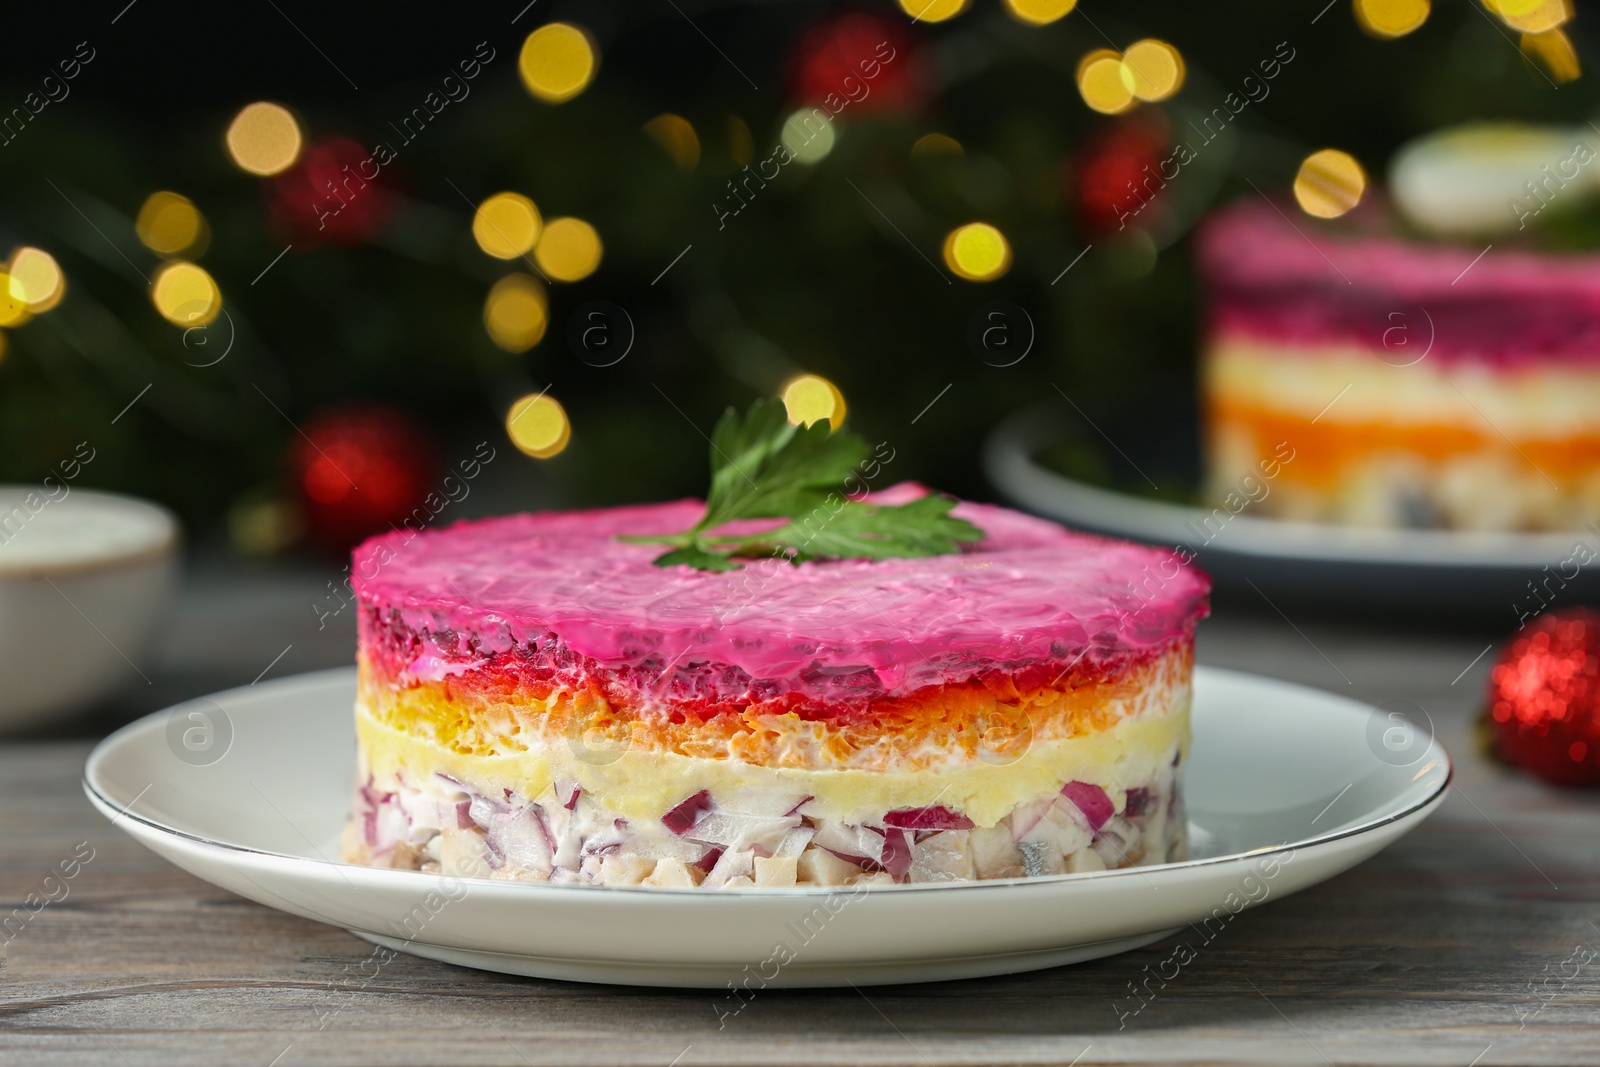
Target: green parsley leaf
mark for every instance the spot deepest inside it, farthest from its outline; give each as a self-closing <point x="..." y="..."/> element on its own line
<point x="923" y="527"/>
<point x="764" y="467"/>
<point x="697" y="556"/>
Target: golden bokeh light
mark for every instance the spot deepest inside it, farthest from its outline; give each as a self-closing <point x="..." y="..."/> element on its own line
<point x="811" y="397"/>
<point x="1330" y="183"/>
<point x="932" y="10"/>
<point x="13" y="312"/>
<point x="977" y="252"/>
<point x="558" y="62"/>
<point x="1553" y="51"/>
<point x="936" y="144"/>
<point x="35" y="279"/>
<point x="516" y="313"/>
<point x="1531" y="16"/>
<point x="808" y="135"/>
<point x="1039" y="12"/>
<point x="1152" y="70"/>
<point x="1100" y="82"/>
<point x="169" y="224"/>
<point x="675" y="134"/>
<point x="569" y="250"/>
<point x="538" y="425"/>
<point x="185" y="294"/>
<point x="1391" y="18"/>
<point x="264" y="139"/>
<point x="506" y="225"/>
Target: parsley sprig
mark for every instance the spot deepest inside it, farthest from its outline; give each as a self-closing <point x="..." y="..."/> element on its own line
<point x="765" y="467"/>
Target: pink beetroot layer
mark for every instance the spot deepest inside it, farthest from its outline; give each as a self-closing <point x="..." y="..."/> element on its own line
<point x="555" y="597"/>
<point x="1310" y="283"/>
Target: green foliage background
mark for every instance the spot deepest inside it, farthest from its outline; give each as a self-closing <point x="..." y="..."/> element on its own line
<point x="825" y="271"/>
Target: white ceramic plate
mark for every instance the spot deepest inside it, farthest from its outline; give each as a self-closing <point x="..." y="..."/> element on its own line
<point x="1327" y="562"/>
<point x="1286" y="787"/>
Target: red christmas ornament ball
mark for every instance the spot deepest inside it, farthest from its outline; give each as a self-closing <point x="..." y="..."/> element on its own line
<point x="857" y="62"/>
<point x="358" y="470"/>
<point x="1544" y="698"/>
<point x="1118" y="174"/>
<point x="332" y="193"/>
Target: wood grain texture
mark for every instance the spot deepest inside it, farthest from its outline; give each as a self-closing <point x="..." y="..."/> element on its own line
<point x="1431" y="953"/>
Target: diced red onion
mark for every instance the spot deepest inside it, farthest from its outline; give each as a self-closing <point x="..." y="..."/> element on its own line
<point x="524" y="838"/>
<point x="932" y="818"/>
<point x="860" y="861"/>
<point x="681" y="819"/>
<point x="372" y="796"/>
<point x="464" y="814"/>
<point x="1091" y="800"/>
<point x="730" y="864"/>
<point x="709" y="860"/>
<point x="897" y="854"/>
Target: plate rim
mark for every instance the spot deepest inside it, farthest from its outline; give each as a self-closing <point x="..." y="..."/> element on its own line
<point x="145" y="723"/>
<point x="1008" y="461"/>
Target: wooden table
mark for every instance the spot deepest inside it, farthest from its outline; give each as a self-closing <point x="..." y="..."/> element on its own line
<point x="1456" y="946"/>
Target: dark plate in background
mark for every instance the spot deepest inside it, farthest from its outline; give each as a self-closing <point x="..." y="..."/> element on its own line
<point x="1133" y="474"/>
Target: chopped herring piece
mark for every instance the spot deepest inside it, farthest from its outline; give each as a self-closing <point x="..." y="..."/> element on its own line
<point x="1039" y="859"/>
<point x="943" y="857"/>
<point x="860" y="845"/>
<point x="1063" y="828"/>
<point x="994" y="853"/>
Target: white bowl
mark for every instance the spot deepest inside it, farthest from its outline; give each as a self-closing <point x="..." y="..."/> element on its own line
<point x="85" y="578"/>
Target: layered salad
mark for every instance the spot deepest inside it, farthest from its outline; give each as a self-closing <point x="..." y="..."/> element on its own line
<point x="1392" y="381"/>
<point x="539" y="701"/>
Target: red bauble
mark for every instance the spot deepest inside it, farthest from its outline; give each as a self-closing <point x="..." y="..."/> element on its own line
<point x="1119" y="175"/>
<point x="332" y="193"/>
<point x="1544" y="698"/>
<point x="359" y="470"/>
<point x="863" y="62"/>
